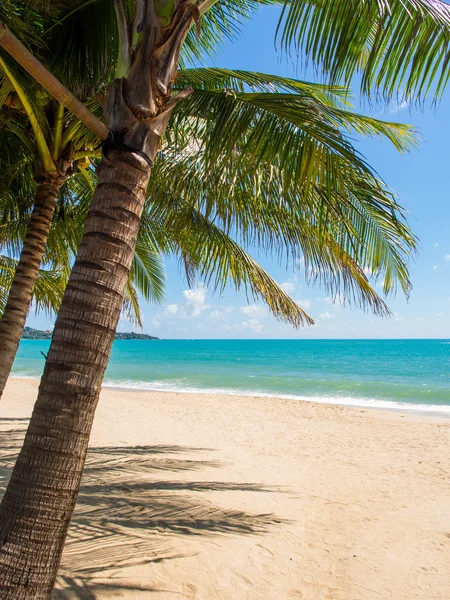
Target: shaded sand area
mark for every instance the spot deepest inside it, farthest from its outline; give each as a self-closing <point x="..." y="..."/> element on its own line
<point x="230" y="498"/>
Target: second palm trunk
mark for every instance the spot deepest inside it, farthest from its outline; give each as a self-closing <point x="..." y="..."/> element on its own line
<point x="22" y="288"/>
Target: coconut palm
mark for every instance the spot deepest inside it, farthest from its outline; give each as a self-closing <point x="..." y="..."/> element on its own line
<point x="208" y="85"/>
<point x="242" y="190"/>
<point x="59" y="144"/>
<point x="347" y="221"/>
<point x="17" y="192"/>
<point x="45" y="132"/>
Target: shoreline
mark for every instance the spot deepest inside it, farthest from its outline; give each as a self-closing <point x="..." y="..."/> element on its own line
<point x="431" y="411"/>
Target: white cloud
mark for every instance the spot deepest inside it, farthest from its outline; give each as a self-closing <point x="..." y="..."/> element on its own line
<point x="253" y="324"/>
<point x="435" y="267"/>
<point x="194" y="303"/>
<point x="336" y="301"/>
<point x="236" y="327"/>
<point x="197" y="296"/>
<point x="327" y="315"/>
<point x="217" y="315"/>
<point x="172" y="309"/>
<point x="447" y="257"/>
<point x="395" y="107"/>
<point x="419" y="319"/>
<point x="304" y="303"/>
<point x="288" y="286"/>
<point x="220" y="315"/>
<point x="436" y="244"/>
<point x="253" y="310"/>
<point x="397" y="317"/>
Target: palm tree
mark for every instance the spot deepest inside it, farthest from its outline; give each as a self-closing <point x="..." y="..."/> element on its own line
<point x="58" y="152"/>
<point x="348" y="221"/>
<point x="17" y="192"/>
<point x="165" y="228"/>
<point x="208" y="85"/>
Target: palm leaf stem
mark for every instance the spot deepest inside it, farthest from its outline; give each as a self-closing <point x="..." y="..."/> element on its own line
<point x="206" y="5"/>
<point x="37" y="70"/>
<point x="44" y="152"/>
<point x="57" y="132"/>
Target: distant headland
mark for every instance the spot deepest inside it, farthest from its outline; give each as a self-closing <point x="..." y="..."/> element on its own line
<point x="37" y="334"/>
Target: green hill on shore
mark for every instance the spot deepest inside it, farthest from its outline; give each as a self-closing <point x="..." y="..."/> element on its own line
<point x="37" y="334"/>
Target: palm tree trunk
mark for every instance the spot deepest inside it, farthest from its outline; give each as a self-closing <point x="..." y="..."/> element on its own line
<point x="22" y="288"/>
<point x="41" y="495"/>
<point x="38" y="504"/>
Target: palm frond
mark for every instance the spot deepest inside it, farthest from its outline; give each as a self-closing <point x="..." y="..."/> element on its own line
<point x="219" y="260"/>
<point x="147" y="275"/>
<point x="343" y="225"/>
<point x="48" y="291"/>
<point x="24" y="19"/>
<point x="222" y="22"/>
<point x="219" y="79"/>
<point x="147" y="270"/>
<point x="130" y="306"/>
<point x="301" y="136"/>
<point x="81" y="44"/>
<point x="398" y="46"/>
<point x="29" y="99"/>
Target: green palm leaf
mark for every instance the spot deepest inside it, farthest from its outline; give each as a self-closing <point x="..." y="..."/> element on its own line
<point x="147" y="269"/>
<point x="219" y="79"/>
<point x="219" y="260"/>
<point x="23" y="18"/>
<point x="397" y="45"/>
<point x="300" y="135"/>
<point x="342" y="204"/>
<point x="48" y="291"/>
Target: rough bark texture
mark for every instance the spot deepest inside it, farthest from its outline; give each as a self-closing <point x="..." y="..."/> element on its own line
<point x="41" y="495"/>
<point x="21" y="292"/>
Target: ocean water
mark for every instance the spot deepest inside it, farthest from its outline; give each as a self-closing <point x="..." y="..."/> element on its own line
<point x="412" y="374"/>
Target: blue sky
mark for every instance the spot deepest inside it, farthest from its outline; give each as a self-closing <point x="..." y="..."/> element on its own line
<point x="422" y="183"/>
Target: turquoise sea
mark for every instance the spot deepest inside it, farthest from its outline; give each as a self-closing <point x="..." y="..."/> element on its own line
<point x="412" y="374"/>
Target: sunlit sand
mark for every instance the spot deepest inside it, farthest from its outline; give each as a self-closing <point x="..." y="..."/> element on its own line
<point x="237" y="498"/>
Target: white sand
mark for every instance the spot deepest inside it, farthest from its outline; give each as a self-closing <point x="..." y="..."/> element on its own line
<point x="235" y="498"/>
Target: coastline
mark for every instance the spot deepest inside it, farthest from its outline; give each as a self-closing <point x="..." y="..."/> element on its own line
<point x="432" y="410"/>
<point x="420" y="410"/>
<point x="369" y="373"/>
<point x="244" y="498"/>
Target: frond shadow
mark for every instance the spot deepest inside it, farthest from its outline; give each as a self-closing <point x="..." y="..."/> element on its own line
<point x="129" y="514"/>
<point x="73" y="588"/>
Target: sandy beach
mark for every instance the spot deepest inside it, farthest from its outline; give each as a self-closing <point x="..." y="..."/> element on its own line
<point x="237" y="498"/>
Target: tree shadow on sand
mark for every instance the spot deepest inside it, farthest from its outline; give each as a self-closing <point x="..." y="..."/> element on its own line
<point x="132" y="510"/>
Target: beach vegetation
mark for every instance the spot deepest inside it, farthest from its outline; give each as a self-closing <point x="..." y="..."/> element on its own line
<point x="345" y="222"/>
